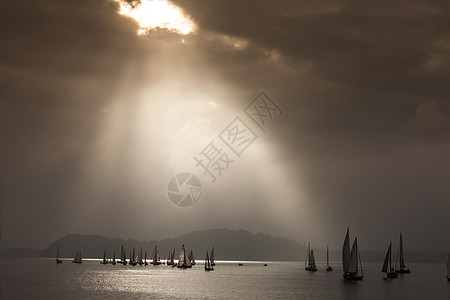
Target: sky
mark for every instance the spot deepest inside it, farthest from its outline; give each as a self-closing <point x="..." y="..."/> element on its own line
<point x="104" y="102"/>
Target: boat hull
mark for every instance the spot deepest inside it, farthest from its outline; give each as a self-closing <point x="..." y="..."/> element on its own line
<point x="329" y="269"/>
<point x="353" y="276"/>
<point x="403" y="271"/>
<point x="311" y="269"/>
<point x="392" y="275"/>
<point x="184" y="267"/>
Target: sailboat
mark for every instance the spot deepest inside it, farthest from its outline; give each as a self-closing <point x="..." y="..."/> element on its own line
<point x="212" y="257"/>
<point x="104" y="261"/>
<point x="329" y="268"/>
<point x="145" y="259"/>
<point x="77" y="259"/>
<point x="133" y="257"/>
<point x="310" y="262"/>
<point x="58" y="261"/>
<point x="387" y="265"/>
<point x="183" y="262"/>
<point x="171" y="261"/>
<point x="351" y="260"/>
<point x="114" y="258"/>
<point x="208" y="266"/>
<point x="400" y="256"/>
<point x="139" y="259"/>
<point x="156" y="258"/>
<point x="191" y="258"/>
<point x="123" y="257"/>
<point x="448" y="267"/>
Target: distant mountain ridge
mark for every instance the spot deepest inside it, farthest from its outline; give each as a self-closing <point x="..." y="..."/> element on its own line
<point x="229" y="245"/>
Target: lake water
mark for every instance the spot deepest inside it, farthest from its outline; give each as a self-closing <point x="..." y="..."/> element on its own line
<point x="43" y="279"/>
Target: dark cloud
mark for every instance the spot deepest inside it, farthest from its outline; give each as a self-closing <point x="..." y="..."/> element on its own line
<point x="363" y="142"/>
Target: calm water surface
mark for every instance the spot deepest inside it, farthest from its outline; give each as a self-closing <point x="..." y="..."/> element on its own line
<point x="43" y="279"/>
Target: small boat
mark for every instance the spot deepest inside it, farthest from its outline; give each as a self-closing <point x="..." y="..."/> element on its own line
<point x="212" y="257"/>
<point x="133" y="261"/>
<point x="400" y="257"/>
<point x="191" y="258"/>
<point x="387" y="265"/>
<point x="351" y="260"/>
<point x="264" y="265"/>
<point x="58" y="261"/>
<point x="77" y="259"/>
<point x="156" y="259"/>
<point x="170" y="260"/>
<point x="104" y="261"/>
<point x="448" y="267"/>
<point x="208" y="266"/>
<point x="329" y="268"/>
<point x="123" y="256"/>
<point x="139" y="259"/>
<point x="240" y="264"/>
<point x="114" y="258"/>
<point x="310" y="262"/>
<point x="183" y="261"/>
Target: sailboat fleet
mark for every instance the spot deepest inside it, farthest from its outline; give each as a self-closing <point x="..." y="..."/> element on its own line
<point x="351" y="259"/>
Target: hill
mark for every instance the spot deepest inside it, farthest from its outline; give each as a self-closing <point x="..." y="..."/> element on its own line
<point x="229" y="245"/>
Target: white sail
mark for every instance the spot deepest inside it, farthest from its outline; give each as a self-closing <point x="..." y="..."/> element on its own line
<point x="346" y="253"/>
<point x="156" y="257"/>
<point x="182" y="257"/>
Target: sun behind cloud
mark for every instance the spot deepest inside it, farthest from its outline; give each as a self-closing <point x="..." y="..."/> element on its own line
<point x="153" y="14"/>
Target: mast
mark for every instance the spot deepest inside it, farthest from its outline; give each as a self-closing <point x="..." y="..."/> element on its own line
<point x="57" y="251"/>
